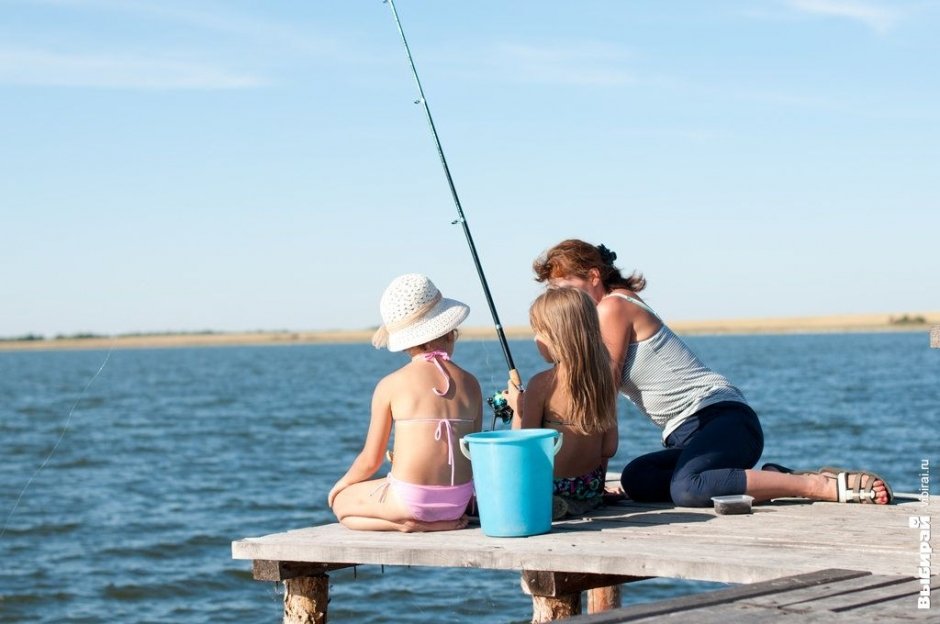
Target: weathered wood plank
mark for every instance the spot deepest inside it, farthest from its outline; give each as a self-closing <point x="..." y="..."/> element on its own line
<point x="743" y="613"/>
<point x="682" y="604"/>
<point x="262" y="570"/>
<point x="636" y="540"/>
<point x="541" y="583"/>
<point x="746" y="614"/>
<point x="904" y="607"/>
<point x="863" y="601"/>
<point x="808" y="598"/>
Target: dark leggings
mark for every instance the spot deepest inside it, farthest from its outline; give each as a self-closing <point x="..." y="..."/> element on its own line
<point x="705" y="456"/>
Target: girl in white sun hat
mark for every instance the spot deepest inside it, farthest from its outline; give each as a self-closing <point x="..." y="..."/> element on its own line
<point x="431" y="402"/>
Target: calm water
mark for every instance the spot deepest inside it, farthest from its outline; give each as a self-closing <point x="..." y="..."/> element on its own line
<point x="171" y="454"/>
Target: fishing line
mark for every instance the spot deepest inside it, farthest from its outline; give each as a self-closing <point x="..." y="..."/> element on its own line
<point x="65" y="429"/>
<point x="462" y="220"/>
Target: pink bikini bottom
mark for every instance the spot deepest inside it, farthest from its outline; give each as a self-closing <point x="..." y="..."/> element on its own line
<point x="432" y="503"/>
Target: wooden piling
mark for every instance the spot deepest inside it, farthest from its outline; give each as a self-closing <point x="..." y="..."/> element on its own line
<point x="557" y="595"/>
<point x="603" y="599"/>
<point x="306" y="587"/>
<point x="549" y="609"/>
<point x="305" y="599"/>
<point x="935" y="337"/>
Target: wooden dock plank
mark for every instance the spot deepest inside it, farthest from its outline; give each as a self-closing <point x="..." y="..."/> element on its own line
<point x="812" y="596"/>
<point x="903" y="607"/>
<point x="684" y="604"/>
<point x="638" y="540"/>
<point x="861" y="600"/>
<point x="825" y="597"/>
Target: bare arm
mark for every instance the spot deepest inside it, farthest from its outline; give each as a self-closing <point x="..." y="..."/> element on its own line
<point x="371" y="456"/>
<point x="617" y="332"/>
<point x="478" y="400"/>
<point x="610" y="442"/>
<point x="530" y="412"/>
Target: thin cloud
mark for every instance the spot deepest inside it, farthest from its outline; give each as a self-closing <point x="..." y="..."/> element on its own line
<point x="220" y="20"/>
<point x="879" y="18"/>
<point x="591" y="63"/>
<point x="55" y="69"/>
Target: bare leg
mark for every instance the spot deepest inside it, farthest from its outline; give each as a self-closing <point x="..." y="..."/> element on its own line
<point x="370" y="500"/>
<point x="766" y="484"/>
<point x="368" y="506"/>
<point x="360" y="523"/>
<point x="440" y="525"/>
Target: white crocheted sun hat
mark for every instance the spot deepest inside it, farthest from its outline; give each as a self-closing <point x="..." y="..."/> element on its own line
<point x="414" y="313"/>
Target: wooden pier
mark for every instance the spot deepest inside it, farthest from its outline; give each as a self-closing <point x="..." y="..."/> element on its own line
<point x="626" y="542"/>
<point x="827" y="596"/>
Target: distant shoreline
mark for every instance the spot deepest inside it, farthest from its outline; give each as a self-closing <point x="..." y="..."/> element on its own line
<point x="845" y="323"/>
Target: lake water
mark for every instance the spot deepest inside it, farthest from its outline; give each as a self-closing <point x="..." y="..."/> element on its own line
<point x="169" y="455"/>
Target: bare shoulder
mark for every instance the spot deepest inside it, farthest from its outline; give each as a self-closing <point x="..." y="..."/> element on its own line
<point x="468" y="379"/>
<point x="541" y="380"/>
<point x="619" y="309"/>
<point x="618" y="312"/>
<point x="394" y="380"/>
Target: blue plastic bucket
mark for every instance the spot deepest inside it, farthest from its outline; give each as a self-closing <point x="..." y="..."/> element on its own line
<point x="512" y="475"/>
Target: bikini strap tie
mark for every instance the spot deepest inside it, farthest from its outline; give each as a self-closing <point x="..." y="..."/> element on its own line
<point x="446" y="424"/>
<point x="436" y="357"/>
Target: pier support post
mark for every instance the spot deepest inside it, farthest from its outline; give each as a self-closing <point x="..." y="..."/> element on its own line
<point x="306" y="587"/>
<point x="603" y="599"/>
<point x="305" y="599"/>
<point x="935" y="337"/>
<point x="549" y="609"/>
<point x="557" y="595"/>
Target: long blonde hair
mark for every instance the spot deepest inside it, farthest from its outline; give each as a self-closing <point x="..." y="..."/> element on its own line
<point x="567" y="317"/>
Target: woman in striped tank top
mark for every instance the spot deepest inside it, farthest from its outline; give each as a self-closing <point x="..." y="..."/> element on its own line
<point x="712" y="437"/>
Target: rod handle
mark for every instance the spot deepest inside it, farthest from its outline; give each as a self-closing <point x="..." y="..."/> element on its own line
<point x="515" y="379"/>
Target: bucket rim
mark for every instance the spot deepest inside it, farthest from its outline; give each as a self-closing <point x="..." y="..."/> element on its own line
<point x="510" y="436"/>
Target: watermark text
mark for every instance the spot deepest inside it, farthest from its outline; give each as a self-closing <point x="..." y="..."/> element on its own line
<point x="924" y="551"/>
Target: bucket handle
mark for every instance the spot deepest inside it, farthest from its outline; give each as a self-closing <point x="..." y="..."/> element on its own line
<point x="466" y="450"/>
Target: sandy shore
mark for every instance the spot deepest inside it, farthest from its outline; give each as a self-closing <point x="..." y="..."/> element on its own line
<point x="815" y="324"/>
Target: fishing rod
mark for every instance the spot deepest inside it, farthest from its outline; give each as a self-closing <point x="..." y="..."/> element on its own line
<point x="462" y="220"/>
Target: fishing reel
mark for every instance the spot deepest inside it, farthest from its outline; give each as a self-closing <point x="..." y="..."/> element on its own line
<point x="500" y="407"/>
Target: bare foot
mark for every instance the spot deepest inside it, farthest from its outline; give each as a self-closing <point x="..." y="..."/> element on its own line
<point x="826" y="487"/>
<point x="415" y="526"/>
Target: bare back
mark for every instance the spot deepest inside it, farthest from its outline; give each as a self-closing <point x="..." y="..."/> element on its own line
<point x="421" y="447"/>
<point x="579" y="453"/>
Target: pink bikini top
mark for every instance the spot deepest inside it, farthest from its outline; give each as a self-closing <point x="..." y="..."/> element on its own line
<point x="443" y="424"/>
<point x="436" y="357"/>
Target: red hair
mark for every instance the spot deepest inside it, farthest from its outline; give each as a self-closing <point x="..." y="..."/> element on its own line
<point x="576" y="258"/>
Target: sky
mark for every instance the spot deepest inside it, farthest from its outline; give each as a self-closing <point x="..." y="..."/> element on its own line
<point x="189" y="165"/>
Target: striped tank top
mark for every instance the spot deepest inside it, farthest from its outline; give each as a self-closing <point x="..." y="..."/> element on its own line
<point x="667" y="381"/>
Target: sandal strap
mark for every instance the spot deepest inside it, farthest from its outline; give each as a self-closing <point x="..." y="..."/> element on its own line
<point x="861" y="492"/>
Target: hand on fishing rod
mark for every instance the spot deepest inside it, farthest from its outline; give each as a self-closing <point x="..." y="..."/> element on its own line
<point x="515" y="394"/>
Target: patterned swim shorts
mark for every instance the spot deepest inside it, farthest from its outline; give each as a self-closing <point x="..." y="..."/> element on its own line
<point x="590" y="485"/>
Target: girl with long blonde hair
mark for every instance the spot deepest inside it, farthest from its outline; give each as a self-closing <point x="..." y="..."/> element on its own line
<point x="576" y="396"/>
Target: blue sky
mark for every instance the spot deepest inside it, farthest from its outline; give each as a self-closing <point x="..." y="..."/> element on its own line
<point x="189" y="165"/>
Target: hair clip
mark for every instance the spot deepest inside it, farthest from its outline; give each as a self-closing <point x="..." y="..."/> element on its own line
<point x="607" y="256"/>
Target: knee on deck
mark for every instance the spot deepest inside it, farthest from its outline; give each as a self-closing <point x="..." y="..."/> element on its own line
<point x="687" y="491"/>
